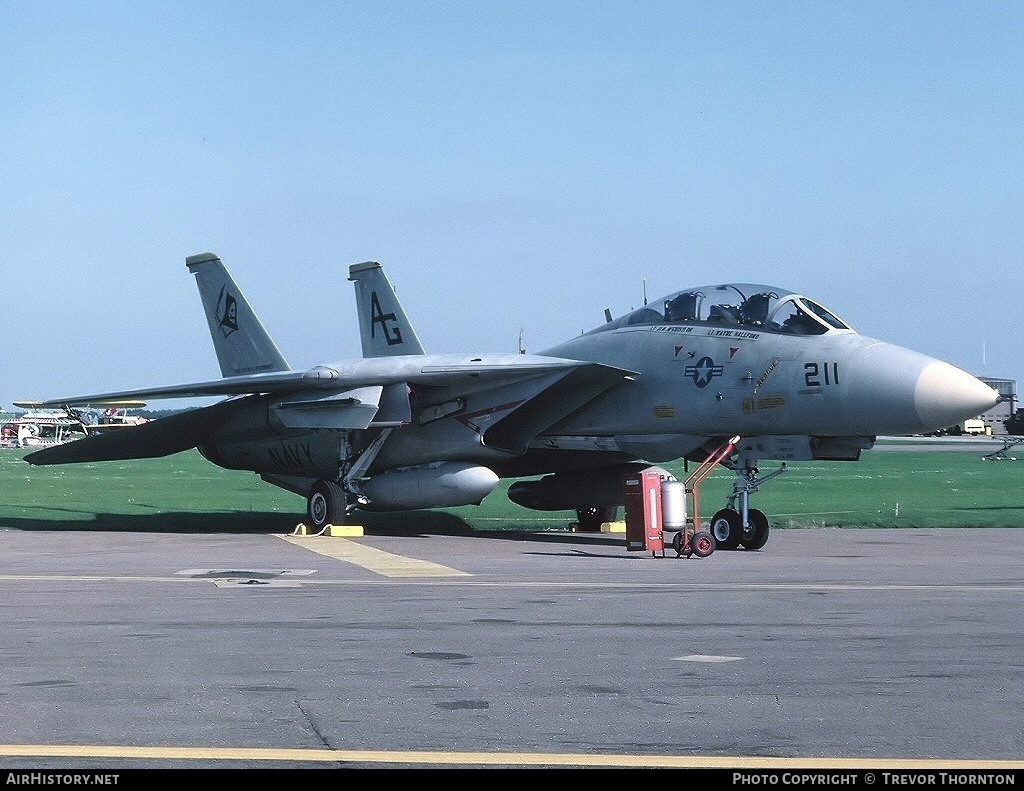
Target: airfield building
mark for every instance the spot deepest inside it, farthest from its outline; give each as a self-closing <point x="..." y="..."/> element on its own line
<point x="995" y="419"/>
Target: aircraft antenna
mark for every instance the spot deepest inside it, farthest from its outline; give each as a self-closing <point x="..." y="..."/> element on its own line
<point x="522" y="348"/>
<point x="645" y="290"/>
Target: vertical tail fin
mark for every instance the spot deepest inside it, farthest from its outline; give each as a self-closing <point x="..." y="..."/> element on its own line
<point x="384" y="329"/>
<point x="242" y="344"/>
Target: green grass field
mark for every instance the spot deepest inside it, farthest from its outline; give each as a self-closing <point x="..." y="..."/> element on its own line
<point x="185" y="493"/>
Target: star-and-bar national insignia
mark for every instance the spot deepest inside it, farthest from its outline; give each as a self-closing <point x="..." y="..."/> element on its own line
<point x="703" y="371"/>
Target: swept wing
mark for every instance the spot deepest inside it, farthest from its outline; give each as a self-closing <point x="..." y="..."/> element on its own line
<point x="535" y="391"/>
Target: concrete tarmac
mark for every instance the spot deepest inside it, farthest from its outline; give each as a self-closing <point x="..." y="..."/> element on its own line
<point x="829" y="648"/>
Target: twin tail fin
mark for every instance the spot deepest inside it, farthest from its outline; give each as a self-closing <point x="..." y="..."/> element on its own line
<point x="243" y="346"/>
<point x="384" y="329"/>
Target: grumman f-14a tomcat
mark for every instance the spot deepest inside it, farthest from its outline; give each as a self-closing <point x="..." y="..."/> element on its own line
<point x="400" y="429"/>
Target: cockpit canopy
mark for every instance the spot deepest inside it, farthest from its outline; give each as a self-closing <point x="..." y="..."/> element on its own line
<point x="736" y="305"/>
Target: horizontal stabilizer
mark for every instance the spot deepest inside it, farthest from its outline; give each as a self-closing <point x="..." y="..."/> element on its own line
<point x="150" y="440"/>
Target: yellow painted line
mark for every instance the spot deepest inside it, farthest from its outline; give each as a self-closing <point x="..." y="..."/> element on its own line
<point x="492" y="758"/>
<point x="378" y="561"/>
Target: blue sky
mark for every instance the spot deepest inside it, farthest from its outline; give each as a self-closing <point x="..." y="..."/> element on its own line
<point x="513" y="165"/>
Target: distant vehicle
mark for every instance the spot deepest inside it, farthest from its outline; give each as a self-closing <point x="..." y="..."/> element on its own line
<point x="974" y="428"/>
<point x="400" y="429"/>
<point x="1015" y="423"/>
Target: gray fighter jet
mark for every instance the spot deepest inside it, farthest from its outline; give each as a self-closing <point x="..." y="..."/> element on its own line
<point x="401" y="429"/>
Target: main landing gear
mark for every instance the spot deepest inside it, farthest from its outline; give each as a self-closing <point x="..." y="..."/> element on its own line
<point x="329" y="502"/>
<point x="744" y="526"/>
<point x="326" y="505"/>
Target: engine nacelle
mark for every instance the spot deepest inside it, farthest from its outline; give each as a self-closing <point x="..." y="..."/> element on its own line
<point x="440" y="485"/>
<point x="567" y="491"/>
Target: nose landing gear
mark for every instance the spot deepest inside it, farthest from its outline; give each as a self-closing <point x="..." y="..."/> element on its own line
<point x="744" y="526"/>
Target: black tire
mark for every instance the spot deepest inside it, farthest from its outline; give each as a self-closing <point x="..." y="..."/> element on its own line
<point x="727" y="529"/>
<point x="756" y="534"/>
<point x="326" y="505"/>
<point x="702" y="543"/>
<point x="591" y="519"/>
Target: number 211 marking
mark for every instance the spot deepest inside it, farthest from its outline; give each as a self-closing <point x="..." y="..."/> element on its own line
<point x="813" y="373"/>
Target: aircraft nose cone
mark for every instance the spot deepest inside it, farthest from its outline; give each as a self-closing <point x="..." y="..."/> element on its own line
<point x="945" y="395"/>
<point x="897" y="391"/>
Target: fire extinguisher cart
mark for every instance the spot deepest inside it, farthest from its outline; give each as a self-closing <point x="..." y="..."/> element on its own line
<point x="692" y="539"/>
<point x="656" y="503"/>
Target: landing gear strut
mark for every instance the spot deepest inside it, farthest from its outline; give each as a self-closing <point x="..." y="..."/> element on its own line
<point x="329" y="502"/>
<point x="743" y="526"/>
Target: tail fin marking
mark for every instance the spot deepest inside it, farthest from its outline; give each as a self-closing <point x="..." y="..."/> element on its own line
<point x="243" y="346"/>
<point x="384" y="329"/>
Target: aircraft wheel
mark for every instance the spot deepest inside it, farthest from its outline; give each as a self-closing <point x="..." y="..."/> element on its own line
<point x="702" y="543"/>
<point x="591" y="519"/>
<point x="756" y="534"/>
<point x="727" y="529"/>
<point x="326" y="505"/>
